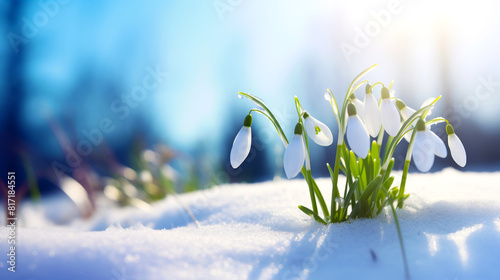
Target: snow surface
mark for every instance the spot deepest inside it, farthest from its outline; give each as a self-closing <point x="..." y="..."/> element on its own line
<point x="450" y="225"/>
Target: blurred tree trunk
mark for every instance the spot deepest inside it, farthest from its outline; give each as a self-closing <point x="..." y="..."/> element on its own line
<point x="14" y="91"/>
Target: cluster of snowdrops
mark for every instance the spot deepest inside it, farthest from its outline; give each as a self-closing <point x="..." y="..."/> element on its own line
<point x="366" y="164"/>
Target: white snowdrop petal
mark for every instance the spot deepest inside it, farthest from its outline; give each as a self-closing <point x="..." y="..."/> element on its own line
<point x="294" y="157"/>
<point x="360" y="108"/>
<point x="318" y="131"/>
<point x="423" y="151"/>
<point x="390" y="117"/>
<point x="372" y="115"/>
<point x="439" y="146"/>
<point x="407" y="112"/>
<point x="357" y="136"/>
<point x="241" y="146"/>
<point x="457" y="150"/>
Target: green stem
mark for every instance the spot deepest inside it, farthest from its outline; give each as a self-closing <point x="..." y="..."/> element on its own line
<point x="403" y="183"/>
<point x="321" y="200"/>
<point x="276" y="125"/>
<point x="308" y="175"/>
<point x="377" y="83"/>
<point x="406" y="167"/>
<point x="403" y="252"/>
<point x="387" y="144"/>
<point x="273" y="119"/>
<point x="336" y="175"/>
<point x="309" y="179"/>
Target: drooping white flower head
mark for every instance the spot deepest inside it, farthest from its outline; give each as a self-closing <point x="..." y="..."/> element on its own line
<point x="317" y="131"/>
<point x="295" y="153"/>
<point x="456" y="147"/>
<point x="371" y="114"/>
<point x="357" y="135"/>
<point x="404" y="110"/>
<point x="360" y="106"/>
<point x="439" y="146"/>
<point x="424" y="147"/>
<point x="389" y="113"/>
<point x="242" y="143"/>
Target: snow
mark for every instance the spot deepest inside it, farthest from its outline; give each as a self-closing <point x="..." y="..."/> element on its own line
<point x="450" y="226"/>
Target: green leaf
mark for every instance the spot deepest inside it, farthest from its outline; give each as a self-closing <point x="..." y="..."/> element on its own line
<point x="309" y="212"/>
<point x="348" y="198"/>
<point x="374" y="150"/>
<point x="345" y="153"/>
<point x="394" y="192"/>
<point x="335" y="108"/>
<point x="401" y="200"/>
<point x="350" y="90"/>
<point x="383" y="195"/>
<point x="354" y="165"/>
<point x="336" y="189"/>
<point x="306" y="210"/>
<point x="363" y="200"/>
<point x="319" y="195"/>
<point x="335" y="194"/>
<point x="388" y="144"/>
<point x="389" y="169"/>
<point x="362" y="178"/>
<point x="401" y="243"/>
<point x="376" y="166"/>
<point x="376" y="194"/>
<point x="359" y="77"/>
<point x="369" y="168"/>
<point x="342" y="165"/>
<point x="384" y="204"/>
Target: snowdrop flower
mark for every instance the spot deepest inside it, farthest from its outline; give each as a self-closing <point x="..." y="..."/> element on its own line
<point x="439" y="146"/>
<point x="357" y="136"/>
<point x="360" y="106"/>
<point x="371" y="113"/>
<point x="405" y="111"/>
<point x="295" y="153"/>
<point x="424" y="147"/>
<point x="456" y="147"/>
<point x="389" y="113"/>
<point x="317" y="130"/>
<point x="242" y="143"/>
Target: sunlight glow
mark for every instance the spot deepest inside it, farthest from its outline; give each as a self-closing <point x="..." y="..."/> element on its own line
<point x="497" y="224"/>
<point x="460" y="238"/>
<point x="432" y="243"/>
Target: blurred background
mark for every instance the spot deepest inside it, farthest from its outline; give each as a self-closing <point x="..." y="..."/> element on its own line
<point x="138" y="99"/>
